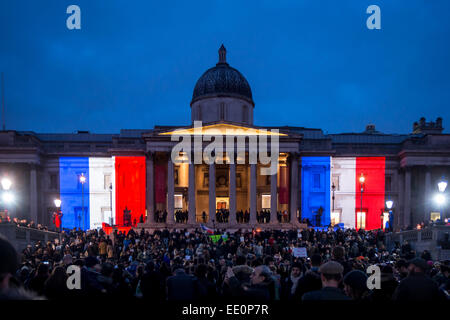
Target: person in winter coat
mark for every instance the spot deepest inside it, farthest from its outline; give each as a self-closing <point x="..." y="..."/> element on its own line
<point x="417" y="286"/>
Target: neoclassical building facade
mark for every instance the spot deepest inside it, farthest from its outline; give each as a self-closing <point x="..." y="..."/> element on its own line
<point x="318" y="175"/>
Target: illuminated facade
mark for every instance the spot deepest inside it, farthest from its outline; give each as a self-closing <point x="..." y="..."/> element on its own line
<point x="318" y="175"/>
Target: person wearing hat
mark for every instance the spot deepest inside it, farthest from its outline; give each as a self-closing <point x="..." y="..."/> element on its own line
<point x="355" y="285"/>
<point x="417" y="286"/>
<point x="331" y="276"/>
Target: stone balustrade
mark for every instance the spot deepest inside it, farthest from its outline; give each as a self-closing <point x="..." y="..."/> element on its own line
<point x="423" y="239"/>
<point x="20" y="237"/>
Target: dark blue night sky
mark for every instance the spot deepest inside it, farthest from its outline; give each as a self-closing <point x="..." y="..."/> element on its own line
<point x="311" y="63"/>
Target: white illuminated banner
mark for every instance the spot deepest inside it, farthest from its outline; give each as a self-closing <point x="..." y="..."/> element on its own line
<point x="101" y="177"/>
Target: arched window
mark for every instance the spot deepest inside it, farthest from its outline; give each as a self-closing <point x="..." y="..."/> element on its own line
<point x="199" y="112"/>
<point x="222" y="111"/>
<point x="245" y="114"/>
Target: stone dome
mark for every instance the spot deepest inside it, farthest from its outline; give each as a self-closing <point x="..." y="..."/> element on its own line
<point x="222" y="81"/>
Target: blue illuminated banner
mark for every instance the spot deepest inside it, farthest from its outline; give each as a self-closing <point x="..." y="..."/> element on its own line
<point x="74" y="194"/>
<point x="315" y="190"/>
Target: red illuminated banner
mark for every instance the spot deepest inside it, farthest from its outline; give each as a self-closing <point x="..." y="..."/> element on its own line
<point x="373" y="195"/>
<point x="283" y="192"/>
<point x="130" y="189"/>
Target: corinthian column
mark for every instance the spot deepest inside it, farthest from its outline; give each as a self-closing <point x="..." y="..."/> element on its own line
<point x="407" y="199"/>
<point x="273" y="197"/>
<point x="232" y="219"/>
<point x="252" y="193"/>
<point x="294" y="188"/>
<point x="212" y="191"/>
<point x="33" y="195"/>
<point x="192" y="209"/>
<point x="170" y="191"/>
<point x="150" y="188"/>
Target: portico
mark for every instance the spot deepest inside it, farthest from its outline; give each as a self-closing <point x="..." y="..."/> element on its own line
<point x="228" y="183"/>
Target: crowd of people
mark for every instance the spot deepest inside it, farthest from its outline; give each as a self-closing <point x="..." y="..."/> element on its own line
<point x="22" y="222"/>
<point x="222" y="215"/>
<point x="160" y="216"/>
<point x="181" y="216"/>
<point x="244" y="265"/>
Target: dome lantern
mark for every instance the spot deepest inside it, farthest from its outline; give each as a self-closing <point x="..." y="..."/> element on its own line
<point x="222" y="94"/>
<point x="222" y="55"/>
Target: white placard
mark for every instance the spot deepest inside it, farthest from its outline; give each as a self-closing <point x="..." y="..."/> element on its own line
<point x="299" y="252"/>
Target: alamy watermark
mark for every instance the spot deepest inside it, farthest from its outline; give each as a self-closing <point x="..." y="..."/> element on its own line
<point x="226" y="145"/>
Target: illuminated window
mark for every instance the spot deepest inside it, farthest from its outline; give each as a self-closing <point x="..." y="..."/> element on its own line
<point x="435" y="216"/>
<point x="265" y="201"/>
<point x="360" y="220"/>
<point x="335" y="217"/>
<point x="178" y="201"/>
<point x="222" y="203"/>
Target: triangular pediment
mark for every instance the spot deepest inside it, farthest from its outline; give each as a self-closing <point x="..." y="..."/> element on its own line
<point x="224" y="129"/>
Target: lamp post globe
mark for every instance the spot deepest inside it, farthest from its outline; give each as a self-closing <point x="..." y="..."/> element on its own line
<point x="82" y="181"/>
<point x="442" y="185"/>
<point x="362" y="179"/>
<point x="57" y="203"/>
<point x="6" y="183"/>
<point x="389" y="204"/>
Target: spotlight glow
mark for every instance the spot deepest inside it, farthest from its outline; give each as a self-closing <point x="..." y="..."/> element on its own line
<point x="440" y="199"/>
<point x="8" y="197"/>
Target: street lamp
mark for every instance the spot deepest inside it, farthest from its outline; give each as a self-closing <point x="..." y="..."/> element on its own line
<point x="440" y="197"/>
<point x="442" y="185"/>
<point x="333" y="188"/>
<point x="82" y="181"/>
<point x="7" y="196"/>
<point x="362" y="179"/>
<point x="6" y="184"/>
<point x="110" y="203"/>
<point x="57" y="216"/>
<point x="389" y="205"/>
<point x="382" y="219"/>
